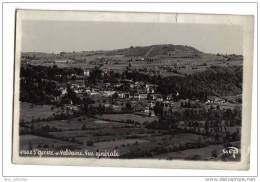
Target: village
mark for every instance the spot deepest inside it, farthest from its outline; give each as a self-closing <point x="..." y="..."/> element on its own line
<point x="127" y="96"/>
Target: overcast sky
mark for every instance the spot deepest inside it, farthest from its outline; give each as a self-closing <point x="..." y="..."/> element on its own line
<point x="57" y="36"/>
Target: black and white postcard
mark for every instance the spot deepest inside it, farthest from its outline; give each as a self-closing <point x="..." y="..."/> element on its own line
<point x="155" y="90"/>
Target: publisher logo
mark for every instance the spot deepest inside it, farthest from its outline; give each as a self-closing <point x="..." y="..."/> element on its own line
<point x="231" y="151"/>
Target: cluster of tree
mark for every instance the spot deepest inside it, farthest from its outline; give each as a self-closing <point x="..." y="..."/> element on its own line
<point x="210" y="115"/>
<point x="39" y="91"/>
<point x="95" y="75"/>
<point x="48" y="72"/>
<point x="213" y="118"/>
<point x="39" y="84"/>
<point x="70" y="97"/>
<point x="190" y="104"/>
<point x="165" y="123"/>
<point x="219" y="81"/>
<point x="90" y="108"/>
<point x="41" y="131"/>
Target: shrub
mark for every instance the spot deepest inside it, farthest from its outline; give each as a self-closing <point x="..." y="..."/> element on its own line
<point x="83" y="127"/>
<point x="90" y="143"/>
<point x="214" y="153"/>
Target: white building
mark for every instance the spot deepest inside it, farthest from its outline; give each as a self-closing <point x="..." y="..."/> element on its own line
<point x="108" y="93"/>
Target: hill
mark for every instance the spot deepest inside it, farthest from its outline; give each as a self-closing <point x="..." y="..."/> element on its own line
<point x="165" y="50"/>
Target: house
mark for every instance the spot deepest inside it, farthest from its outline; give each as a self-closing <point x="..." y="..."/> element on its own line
<point x="139" y="59"/>
<point x="107" y="105"/>
<point x="79" y="90"/>
<point x="86" y="73"/>
<point x="118" y="85"/>
<point x="152" y="113"/>
<point x="219" y="101"/>
<point x="64" y="61"/>
<point x="181" y="124"/>
<point x="166" y="106"/>
<point x="63" y="91"/>
<point x="127" y="81"/>
<point x="88" y="91"/>
<point x="121" y="95"/>
<point x="157" y="97"/>
<point x="94" y="93"/>
<point x="139" y="83"/>
<point x="116" y="107"/>
<point x="108" y="93"/>
<point x="151" y="88"/>
<point x="149" y="112"/>
<point x="107" y="85"/>
<point x="71" y="107"/>
<point x="95" y="89"/>
<point x="142" y="96"/>
<point x="172" y="104"/>
<point x="152" y="104"/>
<point x="132" y="85"/>
<point x="215" y="99"/>
<point x="169" y="97"/>
<point x="75" y="86"/>
<point x="208" y="101"/>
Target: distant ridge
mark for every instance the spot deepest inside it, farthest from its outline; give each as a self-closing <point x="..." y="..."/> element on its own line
<point x="151" y="51"/>
<point x="157" y="50"/>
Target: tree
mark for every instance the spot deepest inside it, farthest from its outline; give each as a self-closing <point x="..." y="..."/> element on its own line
<point x="114" y="96"/>
<point x="83" y="127"/>
<point x="95" y="74"/>
<point x="158" y="109"/>
<point x="214" y="153"/>
<point x="72" y="96"/>
<point x="128" y="106"/>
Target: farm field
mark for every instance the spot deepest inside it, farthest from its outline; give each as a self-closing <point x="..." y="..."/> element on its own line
<point x="29" y="111"/>
<point x="33" y="141"/>
<point x="124" y="117"/>
<point x="126" y="138"/>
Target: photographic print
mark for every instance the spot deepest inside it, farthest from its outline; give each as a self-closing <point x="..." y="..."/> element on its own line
<point x="133" y="90"/>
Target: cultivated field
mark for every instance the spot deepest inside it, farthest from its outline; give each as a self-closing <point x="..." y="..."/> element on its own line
<point x="124" y="117"/>
<point x="29" y="111"/>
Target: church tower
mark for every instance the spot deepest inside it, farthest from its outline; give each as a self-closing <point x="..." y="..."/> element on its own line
<point x="86" y="76"/>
